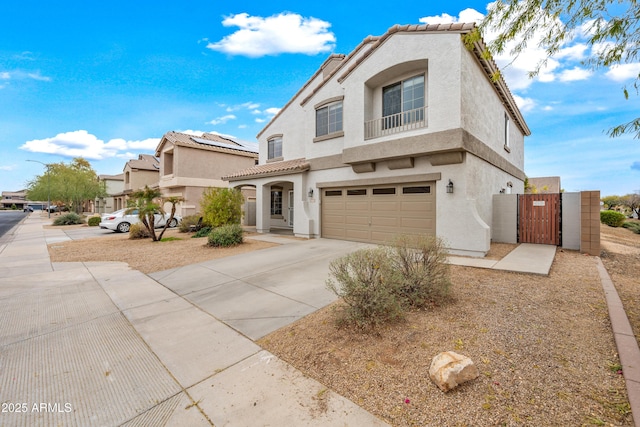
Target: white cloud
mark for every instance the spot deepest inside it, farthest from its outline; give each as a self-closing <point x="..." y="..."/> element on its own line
<point x="272" y="111"/>
<point x="244" y="106"/>
<point x="574" y="74"/>
<point x="467" y="15"/>
<point x="622" y="72"/>
<point x="575" y="52"/>
<point x="524" y="104"/>
<point x="37" y="76"/>
<point x="222" y="120"/>
<point x="5" y="76"/>
<point x="81" y="143"/>
<point x="192" y="132"/>
<point x="7" y="168"/>
<point x="259" y="120"/>
<point x="283" y="33"/>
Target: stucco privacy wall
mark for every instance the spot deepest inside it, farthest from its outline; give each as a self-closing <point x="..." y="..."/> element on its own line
<point x="504" y="227"/>
<point x="580" y="220"/>
<point x="571" y="220"/>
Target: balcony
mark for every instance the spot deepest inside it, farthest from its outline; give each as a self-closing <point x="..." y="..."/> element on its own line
<point x="396" y="123"/>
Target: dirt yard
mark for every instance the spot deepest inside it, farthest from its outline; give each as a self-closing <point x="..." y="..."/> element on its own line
<point x="543" y="345"/>
<point x="145" y="255"/>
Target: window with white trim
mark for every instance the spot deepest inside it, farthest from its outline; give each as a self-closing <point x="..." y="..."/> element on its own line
<point x="506" y="132"/>
<point x="274" y="147"/>
<point x="329" y="119"/>
<point x="403" y="102"/>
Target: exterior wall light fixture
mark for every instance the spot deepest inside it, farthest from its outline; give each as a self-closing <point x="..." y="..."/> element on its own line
<point x="310" y="193"/>
<point x="450" y="187"/>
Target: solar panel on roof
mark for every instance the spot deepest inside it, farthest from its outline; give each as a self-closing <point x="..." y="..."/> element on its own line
<point x="223" y="145"/>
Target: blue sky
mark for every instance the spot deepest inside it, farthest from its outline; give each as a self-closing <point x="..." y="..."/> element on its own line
<point x="105" y="81"/>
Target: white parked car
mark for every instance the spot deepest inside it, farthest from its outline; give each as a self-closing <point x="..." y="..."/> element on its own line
<point x="121" y="221"/>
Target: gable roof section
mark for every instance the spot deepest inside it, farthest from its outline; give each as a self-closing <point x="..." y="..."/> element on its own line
<point x="144" y="162"/>
<point x="286" y="167"/>
<point x="479" y="50"/>
<point x="208" y="142"/>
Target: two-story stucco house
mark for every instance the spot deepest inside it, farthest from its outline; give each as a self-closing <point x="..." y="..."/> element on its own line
<point x="113" y="185"/>
<point x="138" y="173"/>
<point x="408" y="134"/>
<point x="191" y="164"/>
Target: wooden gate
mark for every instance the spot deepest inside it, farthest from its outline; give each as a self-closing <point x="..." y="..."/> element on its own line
<point x="539" y="218"/>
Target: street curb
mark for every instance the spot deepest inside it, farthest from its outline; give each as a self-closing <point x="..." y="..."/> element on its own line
<point x="626" y="343"/>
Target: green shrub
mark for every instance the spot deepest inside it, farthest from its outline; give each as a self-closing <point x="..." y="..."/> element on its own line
<point x="94" y="221"/>
<point x="68" y="219"/>
<point x="367" y="284"/>
<point x="425" y="273"/>
<point x="226" y="235"/>
<point x="187" y="222"/>
<point x="612" y="218"/>
<point x="633" y="226"/>
<point x="221" y="206"/>
<point x="138" y="231"/>
<point x="203" y="232"/>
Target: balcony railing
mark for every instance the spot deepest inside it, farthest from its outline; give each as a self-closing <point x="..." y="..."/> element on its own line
<point x="396" y="123"/>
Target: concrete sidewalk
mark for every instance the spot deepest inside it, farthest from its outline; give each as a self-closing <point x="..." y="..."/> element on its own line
<point x="101" y="344"/>
<point x="525" y="258"/>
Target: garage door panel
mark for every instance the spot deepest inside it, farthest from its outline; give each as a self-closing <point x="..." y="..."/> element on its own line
<point x="416" y="223"/>
<point x="415" y="206"/>
<point x="357" y="220"/>
<point x="382" y="236"/>
<point x="359" y="205"/>
<point x="385" y="221"/>
<point x="360" y="235"/>
<point x="384" y="206"/>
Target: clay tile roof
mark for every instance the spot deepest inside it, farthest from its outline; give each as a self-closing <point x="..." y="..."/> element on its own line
<point x="144" y="162"/>
<point x="270" y="169"/>
<point x="207" y="141"/>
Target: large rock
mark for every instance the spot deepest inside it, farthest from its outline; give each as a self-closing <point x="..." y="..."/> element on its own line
<point x="450" y="369"/>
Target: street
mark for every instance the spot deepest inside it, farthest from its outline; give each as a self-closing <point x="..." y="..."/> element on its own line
<point x="8" y="219"/>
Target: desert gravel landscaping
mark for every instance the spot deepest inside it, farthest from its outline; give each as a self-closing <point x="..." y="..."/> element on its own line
<point x="543" y="345"/>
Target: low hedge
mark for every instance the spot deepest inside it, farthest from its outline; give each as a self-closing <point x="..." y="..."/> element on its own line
<point x="68" y="219"/>
<point x="612" y="218"/>
<point x="226" y="235"/>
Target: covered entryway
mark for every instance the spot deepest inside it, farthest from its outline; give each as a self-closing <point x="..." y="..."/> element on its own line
<point x="539" y="218"/>
<point x="378" y="213"/>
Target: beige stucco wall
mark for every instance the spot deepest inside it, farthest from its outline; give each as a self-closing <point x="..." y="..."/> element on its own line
<point x="139" y="178"/>
<point x="195" y="170"/>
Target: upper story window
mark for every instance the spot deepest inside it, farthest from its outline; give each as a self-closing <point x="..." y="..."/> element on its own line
<point x="329" y="119"/>
<point x="403" y="102"/>
<point x="274" y="147"/>
<point x="506" y="132"/>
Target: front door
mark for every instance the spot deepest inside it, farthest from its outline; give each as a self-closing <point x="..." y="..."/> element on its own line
<point x="290" y="203"/>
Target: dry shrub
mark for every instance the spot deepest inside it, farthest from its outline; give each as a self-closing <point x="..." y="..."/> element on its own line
<point x="138" y="231"/>
<point x="379" y="285"/>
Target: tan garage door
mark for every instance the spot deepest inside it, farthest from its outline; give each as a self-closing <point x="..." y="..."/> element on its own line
<point x="378" y="213"/>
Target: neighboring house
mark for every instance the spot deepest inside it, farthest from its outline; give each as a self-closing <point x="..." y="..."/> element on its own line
<point x="138" y="173"/>
<point x="114" y="184"/>
<point x="191" y="164"/>
<point x="547" y="184"/>
<point x="11" y="198"/>
<point x="410" y="133"/>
